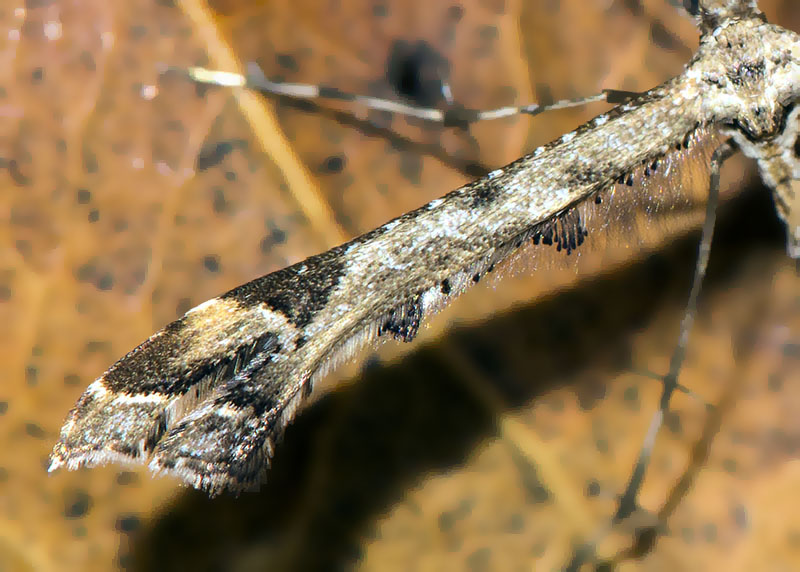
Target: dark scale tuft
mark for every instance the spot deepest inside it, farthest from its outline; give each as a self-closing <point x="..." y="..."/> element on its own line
<point x="566" y="232"/>
<point x="244" y="391"/>
<point x="482" y="195"/>
<point x="403" y="321"/>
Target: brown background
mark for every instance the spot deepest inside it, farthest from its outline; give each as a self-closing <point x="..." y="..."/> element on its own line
<point x="500" y="439"/>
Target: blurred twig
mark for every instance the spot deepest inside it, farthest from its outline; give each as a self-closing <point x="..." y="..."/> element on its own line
<point x="266" y="128"/>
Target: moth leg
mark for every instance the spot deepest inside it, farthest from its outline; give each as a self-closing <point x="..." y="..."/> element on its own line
<point x="453" y="115"/>
<point x="627" y="506"/>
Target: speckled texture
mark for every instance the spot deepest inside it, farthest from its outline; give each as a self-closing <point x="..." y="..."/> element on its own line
<point x="398" y="469"/>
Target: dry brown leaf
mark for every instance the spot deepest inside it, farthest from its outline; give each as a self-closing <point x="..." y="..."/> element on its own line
<point x="128" y="197"/>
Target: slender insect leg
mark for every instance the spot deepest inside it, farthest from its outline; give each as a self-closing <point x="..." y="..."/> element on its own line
<point x="627" y="502"/>
<point x="452" y="116"/>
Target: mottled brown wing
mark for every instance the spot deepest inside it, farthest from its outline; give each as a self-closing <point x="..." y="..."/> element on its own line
<point x="124" y="211"/>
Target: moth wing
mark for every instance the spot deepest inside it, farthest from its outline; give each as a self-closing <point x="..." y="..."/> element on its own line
<point x="227" y="442"/>
<point x="122" y="415"/>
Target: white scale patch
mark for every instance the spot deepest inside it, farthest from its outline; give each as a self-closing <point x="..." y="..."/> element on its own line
<point x="142" y="398"/>
<point x="204" y="306"/>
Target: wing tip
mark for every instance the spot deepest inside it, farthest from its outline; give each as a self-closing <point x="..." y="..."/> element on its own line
<point x="212" y="480"/>
<point x="63" y="456"/>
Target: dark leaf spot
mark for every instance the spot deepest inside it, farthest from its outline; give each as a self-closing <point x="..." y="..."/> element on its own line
<point x="411" y="167"/>
<point x="128" y="523"/>
<point x="77" y="504"/>
<point x="126" y="478"/>
<point x="105" y="282"/>
<point x="213" y="154"/>
<point x="219" y="203"/>
<point x="211" y="263"/>
<point x="287" y="62"/>
<point x="333" y="165"/>
<point x="34" y="430"/>
<point x="455" y="12"/>
<point x="416" y="72"/>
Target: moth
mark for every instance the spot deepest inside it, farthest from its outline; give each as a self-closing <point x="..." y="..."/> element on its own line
<point x="208" y="397"/>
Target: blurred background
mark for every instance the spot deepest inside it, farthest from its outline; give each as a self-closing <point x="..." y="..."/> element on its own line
<point x="502" y="437"/>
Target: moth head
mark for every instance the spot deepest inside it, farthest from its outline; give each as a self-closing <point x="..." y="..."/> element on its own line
<point x="749" y="75"/>
<point x="757" y="94"/>
<point x="710" y="14"/>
